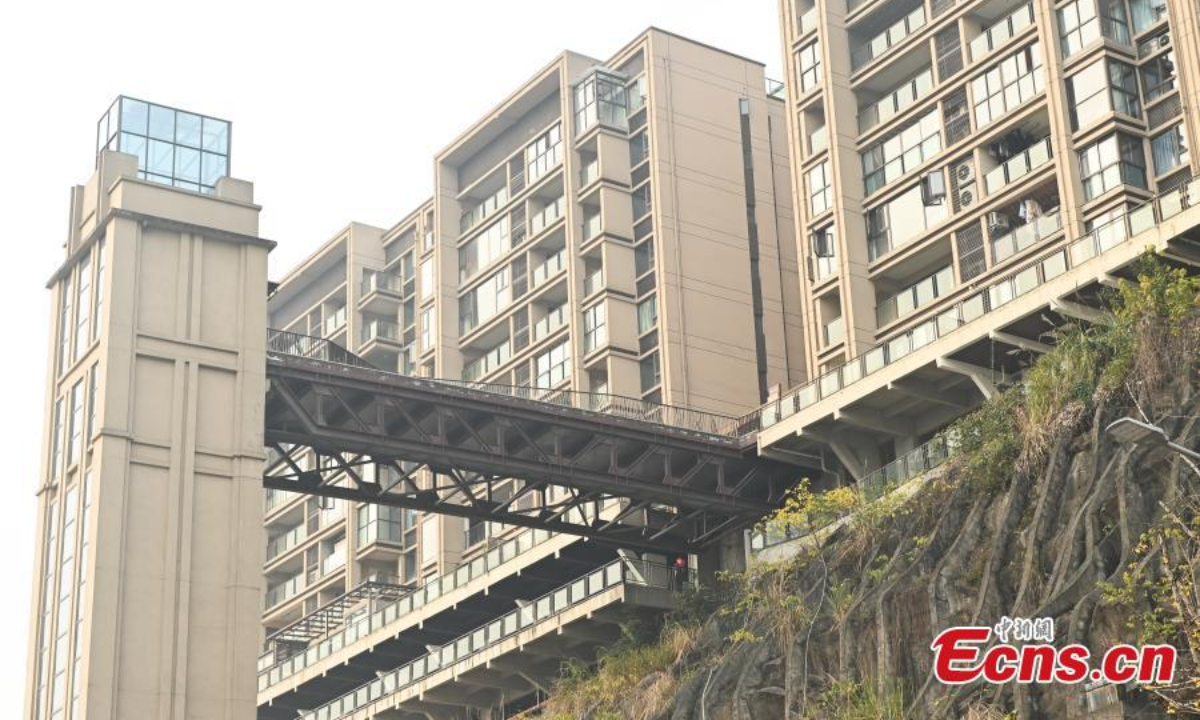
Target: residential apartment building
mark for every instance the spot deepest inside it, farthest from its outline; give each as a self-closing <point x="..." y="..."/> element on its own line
<point x="968" y="174"/>
<point x="619" y="227"/>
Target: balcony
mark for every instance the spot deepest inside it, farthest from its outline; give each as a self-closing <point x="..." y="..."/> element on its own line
<point x="593" y="283"/>
<point x="289" y="588"/>
<point x="407" y="608"/>
<point x="807" y="22"/>
<point x="918" y="294"/>
<point x="381" y="292"/>
<point x="614" y="583"/>
<point x="776" y="89"/>
<point x="286" y="541"/>
<point x="1018" y="166"/>
<point x="834" y="332"/>
<point x="592" y="226"/>
<point x="874" y="48"/>
<point x="1026" y="236"/>
<point x="380" y="330"/>
<point x="549" y="268"/>
<point x="334" y="322"/>
<point x="553" y="321"/>
<point x="589" y="173"/>
<point x="1001" y="31"/>
<point x="334" y="561"/>
<point x="896" y="101"/>
<point x="545" y="217"/>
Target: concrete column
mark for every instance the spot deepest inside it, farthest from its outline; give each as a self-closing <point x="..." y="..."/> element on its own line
<point x="169" y="616"/>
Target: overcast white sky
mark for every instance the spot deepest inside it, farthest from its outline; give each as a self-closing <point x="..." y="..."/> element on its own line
<point x="336" y="116"/>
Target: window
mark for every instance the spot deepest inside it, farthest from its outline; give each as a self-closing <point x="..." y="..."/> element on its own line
<point x="643" y="258"/>
<point x="639" y="148"/>
<point x="481" y="250"/>
<point x="1158" y="76"/>
<point x="66" y="575"/>
<point x="427" y="329"/>
<point x="901" y="221"/>
<point x="643" y="202"/>
<point x="543" y="153"/>
<point x="595" y="327"/>
<point x="75" y="446"/>
<point x="820" y="191"/>
<point x="824" y="252"/>
<point x="427" y="279"/>
<point x="1146" y="13"/>
<point x="172" y="147"/>
<point x="647" y="314"/>
<point x="650" y="372"/>
<point x="93" y="411"/>
<point x="553" y="366"/>
<point x="80" y="587"/>
<point x="64" y="325"/>
<point x="83" y="305"/>
<point x="101" y="265"/>
<point x="896" y="101"/>
<point x="1083" y="22"/>
<point x="1102" y="87"/>
<point x="1111" y="161"/>
<point x="1169" y="150"/>
<point x="600" y="98"/>
<point x="56" y="437"/>
<point x="809" y="60"/>
<point x="482" y="303"/>
<point x="1013" y="81"/>
<point x="902" y="151"/>
<point x="380" y="523"/>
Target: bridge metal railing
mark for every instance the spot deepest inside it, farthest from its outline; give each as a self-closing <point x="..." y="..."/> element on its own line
<point x="315" y="348"/>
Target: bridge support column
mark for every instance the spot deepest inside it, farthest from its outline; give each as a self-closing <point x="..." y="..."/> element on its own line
<point x="726" y="555"/>
<point x="153" y="487"/>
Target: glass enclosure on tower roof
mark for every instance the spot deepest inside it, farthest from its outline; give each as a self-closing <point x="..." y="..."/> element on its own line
<point x="173" y="147"/>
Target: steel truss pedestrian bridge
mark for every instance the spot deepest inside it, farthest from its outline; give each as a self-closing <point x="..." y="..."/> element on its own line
<point x="637" y="474"/>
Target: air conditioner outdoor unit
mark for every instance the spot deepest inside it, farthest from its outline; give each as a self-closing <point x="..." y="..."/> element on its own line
<point x="964" y="183"/>
<point x="998" y="221"/>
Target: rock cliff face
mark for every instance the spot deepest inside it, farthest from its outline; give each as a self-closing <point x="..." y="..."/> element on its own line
<point x="1039" y="514"/>
<point x="1048" y="545"/>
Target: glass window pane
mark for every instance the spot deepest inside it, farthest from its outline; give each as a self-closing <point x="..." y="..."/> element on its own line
<point x="161" y="159"/>
<point x="134" y="116"/>
<point x="187" y="164"/>
<point x="214" y="167"/>
<point x="216" y="136"/>
<point x="162" y="123"/>
<point x="187" y="129"/>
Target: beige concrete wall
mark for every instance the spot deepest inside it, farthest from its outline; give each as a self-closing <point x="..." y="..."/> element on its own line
<point x="173" y="595"/>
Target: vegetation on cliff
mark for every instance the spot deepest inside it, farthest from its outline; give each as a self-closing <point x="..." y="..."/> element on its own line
<point x="1037" y="514"/>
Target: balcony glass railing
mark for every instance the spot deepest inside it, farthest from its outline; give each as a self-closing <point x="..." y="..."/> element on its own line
<point x="893" y="35"/>
<point x="553" y="321"/>
<point x="335" y="321"/>
<point x="1001" y="31"/>
<point x="910" y="298"/>
<point x="896" y="101"/>
<point x="589" y="173"/>
<point x="834" y="331"/>
<point x="591" y="226"/>
<point x="818" y="140"/>
<point x="380" y="329"/>
<point x="1026" y="236"/>
<point x="334" y="561"/>
<point x="638" y="573"/>
<point x="286" y="541"/>
<point x="593" y="283"/>
<point x="546" y="216"/>
<point x="807" y="22"/>
<point x="910" y="465"/>
<point x="376" y="281"/>
<point x="433" y="589"/>
<point x="979" y="304"/>
<point x="824" y="267"/>
<point x="287" y="589"/>
<point x="549" y="267"/>
<point x="776" y="89"/>
<point x="1018" y="166"/>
